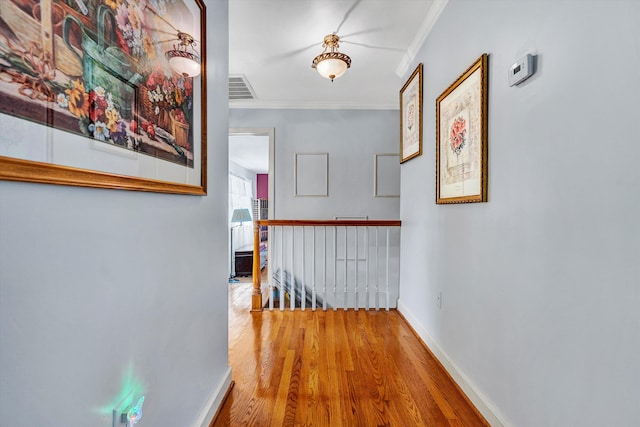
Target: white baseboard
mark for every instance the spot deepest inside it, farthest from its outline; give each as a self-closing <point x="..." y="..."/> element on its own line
<point x="484" y="405"/>
<point x="214" y="401"/>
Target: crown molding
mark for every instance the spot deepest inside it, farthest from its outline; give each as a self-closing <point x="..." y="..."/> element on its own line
<point x="282" y="105"/>
<point x="421" y="36"/>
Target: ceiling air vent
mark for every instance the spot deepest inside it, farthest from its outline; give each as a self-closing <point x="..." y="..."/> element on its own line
<point x="239" y="88"/>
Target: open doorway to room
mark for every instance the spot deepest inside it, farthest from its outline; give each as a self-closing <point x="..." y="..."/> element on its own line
<point x="251" y="196"/>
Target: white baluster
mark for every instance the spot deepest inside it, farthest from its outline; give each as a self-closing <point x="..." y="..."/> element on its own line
<point x="292" y="294"/>
<point x="377" y="271"/>
<point x="346" y="265"/>
<point x="357" y="265"/>
<point x="313" y="269"/>
<point x="303" y="290"/>
<point x="388" y="268"/>
<point x="324" y="269"/>
<point x="335" y="268"/>
<point x="270" y="236"/>
<point x="366" y="257"/>
<point x="281" y="268"/>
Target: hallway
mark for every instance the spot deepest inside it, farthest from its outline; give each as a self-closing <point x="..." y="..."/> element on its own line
<point x="342" y="368"/>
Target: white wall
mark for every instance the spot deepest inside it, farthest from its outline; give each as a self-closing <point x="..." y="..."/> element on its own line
<point x="351" y="137"/>
<point x="540" y="284"/>
<point x="99" y="287"/>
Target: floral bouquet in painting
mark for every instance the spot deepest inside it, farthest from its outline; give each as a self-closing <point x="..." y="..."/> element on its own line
<point x="134" y="25"/>
<point x="169" y="103"/>
<point x="411" y="115"/>
<point x="97" y="115"/>
<point x="169" y="90"/>
<point x="457" y="134"/>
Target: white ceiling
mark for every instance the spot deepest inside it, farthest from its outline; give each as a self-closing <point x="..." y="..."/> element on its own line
<point x="273" y="42"/>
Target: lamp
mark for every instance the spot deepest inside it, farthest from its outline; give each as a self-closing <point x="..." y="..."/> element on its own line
<point x="331" y="64"/>
<point x="239" y="215"/>
<point x="182" y="61"/>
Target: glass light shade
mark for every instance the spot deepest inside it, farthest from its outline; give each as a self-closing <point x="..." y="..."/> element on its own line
<point x="331" y="68"/>
<point x="184" y="63"/>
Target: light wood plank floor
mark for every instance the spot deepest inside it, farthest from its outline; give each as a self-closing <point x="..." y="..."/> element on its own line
<point x="342" y="368"/>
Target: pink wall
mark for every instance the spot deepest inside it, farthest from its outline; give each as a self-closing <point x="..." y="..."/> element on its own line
<point x="262" y="186"/>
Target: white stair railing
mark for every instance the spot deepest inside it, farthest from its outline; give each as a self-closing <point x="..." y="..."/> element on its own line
<point x="355" y="264"/>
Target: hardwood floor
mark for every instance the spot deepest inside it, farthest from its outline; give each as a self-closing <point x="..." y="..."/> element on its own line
<point x="342" y="368"/>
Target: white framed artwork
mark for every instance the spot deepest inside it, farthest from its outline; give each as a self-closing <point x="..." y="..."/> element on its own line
<point x="311" y="175"/>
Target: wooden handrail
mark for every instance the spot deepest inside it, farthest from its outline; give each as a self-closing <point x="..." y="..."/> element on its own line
<point x="256" y="297"/>
<point x="331" y="223"/>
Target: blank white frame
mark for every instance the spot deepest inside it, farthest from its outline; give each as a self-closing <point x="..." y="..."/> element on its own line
<point x="313" y="179"/>
<point x="386" y="175"/>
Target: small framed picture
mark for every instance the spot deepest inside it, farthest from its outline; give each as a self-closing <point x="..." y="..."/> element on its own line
<point x="461" y="137"/>
<point x="411" y="116"/>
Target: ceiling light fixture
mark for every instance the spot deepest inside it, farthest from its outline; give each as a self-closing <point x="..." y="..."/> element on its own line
<point x="331" y="64"/>
<point x="182" y="61"/>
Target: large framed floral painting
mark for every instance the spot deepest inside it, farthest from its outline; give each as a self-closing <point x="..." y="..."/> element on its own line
<point x="461" y="137"/>
<point x="411" y="116"/>
<point x="88" y="97"/>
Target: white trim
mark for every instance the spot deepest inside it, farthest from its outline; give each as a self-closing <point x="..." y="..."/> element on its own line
<point x="297" y="193"/>
<point x="303" y="105"/>
<point x="375" y="174"/>
<point x="421" y="35"/>
<point x="214" y="401"/>
<point x="484" y="405"/>
<point x="270" y="132"/>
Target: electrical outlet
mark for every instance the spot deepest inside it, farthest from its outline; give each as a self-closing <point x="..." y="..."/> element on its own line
<point x="119" y="420"/>
<point x="439" y="299"/>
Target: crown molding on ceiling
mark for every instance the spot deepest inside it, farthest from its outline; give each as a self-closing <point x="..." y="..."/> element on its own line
<point x="421" y="35"/>
<point x="278" y="105"/>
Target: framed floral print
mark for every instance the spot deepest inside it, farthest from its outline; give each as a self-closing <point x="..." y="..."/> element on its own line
<point x="461" y="137"/>
<point x="411" y="116"/>
<point x="88" y="97"/>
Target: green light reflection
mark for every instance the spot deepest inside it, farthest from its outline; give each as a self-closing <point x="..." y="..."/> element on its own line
<point x="130" y="391"/>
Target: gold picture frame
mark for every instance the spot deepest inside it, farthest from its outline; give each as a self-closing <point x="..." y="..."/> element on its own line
<point x="105" y="110"/>
<point x="461" y="137"/>
<point x="411" y="116"/>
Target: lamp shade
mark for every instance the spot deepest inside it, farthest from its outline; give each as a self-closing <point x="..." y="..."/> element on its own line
<point x="241" y="215"/>
<point x="331" y="68"/>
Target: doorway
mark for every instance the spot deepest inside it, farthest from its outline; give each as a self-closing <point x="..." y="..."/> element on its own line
<point x="251" y="177"/>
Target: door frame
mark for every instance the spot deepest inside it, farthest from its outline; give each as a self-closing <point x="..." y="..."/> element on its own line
<point x="270" y="132"/>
